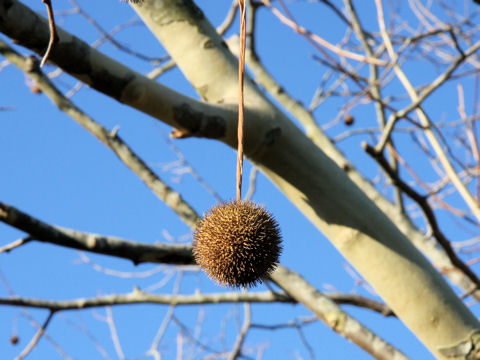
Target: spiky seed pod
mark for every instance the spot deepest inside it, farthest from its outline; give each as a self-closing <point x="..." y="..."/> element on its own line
<point x="238" y="243"/>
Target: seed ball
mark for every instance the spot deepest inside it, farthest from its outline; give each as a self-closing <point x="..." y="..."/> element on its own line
<point x="14" y="340"/>
<point x="238" y="243"/>
<point x="349" y="120"/>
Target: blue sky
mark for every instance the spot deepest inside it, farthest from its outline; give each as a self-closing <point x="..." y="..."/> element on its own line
<point x="53" y="169"/>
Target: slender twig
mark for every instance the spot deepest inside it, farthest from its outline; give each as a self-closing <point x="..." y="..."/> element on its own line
<point x="317" y="39"/>
<point x="425" y="121"/>
<point x="305" y="343"/>
<point x="156" y="72"/>
<point x="229" y="18"/>
<point x="109" y="36"/>
<point x="114" y="334"/>
<point x="237" y="348"/>
<point x="183" y="160"/>
<point x="15" y="244"/>
<point x="33" y="322"/>
<point x="160" y="333"/>
<point x="427" y="211"/>
<point x="31" y="345"/>
<point x="417" y="102"/>
<point x="252" y="183"/>
<point x="290" y="324"/>
<point x="53" y="31"/>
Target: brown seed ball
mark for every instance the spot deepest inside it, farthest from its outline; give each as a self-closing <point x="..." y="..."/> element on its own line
<point x="238" y="243"/>
<point x="349" y="120"/>
<point x="14" y="340"/>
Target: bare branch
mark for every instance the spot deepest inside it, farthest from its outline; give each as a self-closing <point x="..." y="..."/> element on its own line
<point x="15" y="244"/>
<point x="317" y="39"/>
<point x="31" y="345"/>
<point x="432" y="221"/>
<point x="139" y="297"/>
<point x="137" y="252"/>
<point x="114" y="334"/>
<point x="333" y="316"/>
<point x="237" y="348"/>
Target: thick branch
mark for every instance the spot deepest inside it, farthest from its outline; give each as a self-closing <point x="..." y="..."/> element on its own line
<point x="137" y="252"/>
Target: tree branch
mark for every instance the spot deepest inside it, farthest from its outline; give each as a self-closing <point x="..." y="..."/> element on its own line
<point x="427" y="211"/>
<point x="333" y="316"/>
<point x="36" y="337"/>
<point x="237" y="348"/>
<point x="137" y="252"/>
<point x="139" y="297"/>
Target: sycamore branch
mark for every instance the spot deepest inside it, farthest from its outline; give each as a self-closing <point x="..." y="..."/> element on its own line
<point x="107" y="245"/>
<point x="139" y="297"/>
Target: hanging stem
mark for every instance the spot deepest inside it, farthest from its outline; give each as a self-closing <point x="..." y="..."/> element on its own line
<point x="53" y="31"/>
<point x="241" y="69"/>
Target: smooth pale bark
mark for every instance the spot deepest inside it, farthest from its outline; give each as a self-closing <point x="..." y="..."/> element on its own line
<point x="322" y="191"/>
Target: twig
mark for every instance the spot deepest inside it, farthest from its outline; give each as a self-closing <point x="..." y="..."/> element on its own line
<point x="424" y="119"/>
<point x="34" y="323"/>
<point x="229" y="18"/>
<point x="114" y="334"/>
<point x="362" y="301"/>
<point x="53" y="31"/>
<point x="191" y="170"/>
<point x="36" y="337"/>
<point x="300" y="322"/>
<point x="317" y="39"/>
<point x="80" y="326"/>
<point x="305" y="343"/>
<point x="427" y="211"/>
<point x="161" y="331"/>
<point x="156" y="72"/>
<point x="121" y="274"/>
<point x="237" y="348"/>
<point x="434" y="85"/>
<point x="109" y="36"/>
<point x="252" y="183"/>
<point x="13" y="245"/>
